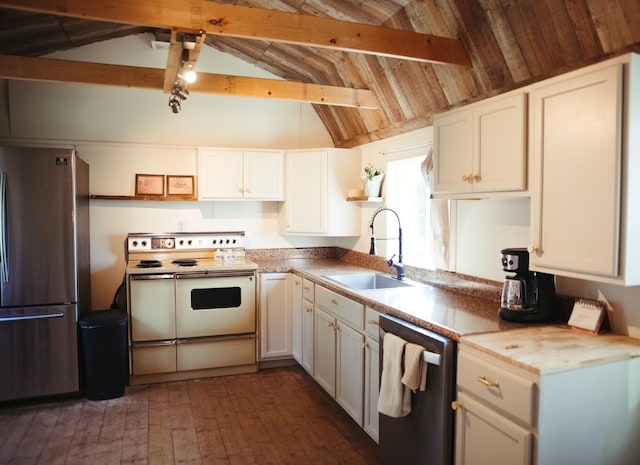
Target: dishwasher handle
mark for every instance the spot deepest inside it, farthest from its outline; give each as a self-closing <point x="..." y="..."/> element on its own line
<point x="427" y="356"/>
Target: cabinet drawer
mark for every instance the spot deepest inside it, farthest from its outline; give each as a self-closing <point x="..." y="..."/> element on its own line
<point x="154" y="357"/>
<point x="506" y="391"/>
<point x="341" y="307"/>
<point x="198" y="354"/>
<point x="371" y="323"/>
<point x="308" y="290"/>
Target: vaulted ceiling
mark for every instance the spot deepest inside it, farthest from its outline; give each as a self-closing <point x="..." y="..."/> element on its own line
<point x="510" y="43"/>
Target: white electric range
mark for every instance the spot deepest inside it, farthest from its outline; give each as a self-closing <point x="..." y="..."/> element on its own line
<point x="192" y="305"/>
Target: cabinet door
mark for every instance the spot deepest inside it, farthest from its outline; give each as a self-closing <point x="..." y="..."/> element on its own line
<point x="275" y="315"/>
<point x="500" y="144"/>
<point x="306" y="192"/>
<point x="308" y="335"/>
<point x="324" y="355"/>
<point x="220" y="174"/>
<point x="263" y="175"/>
<point x="484" y="437"/>
<point x="453" y="151"/>
<point x="350" y="370"/>
<point x="576" y="145"/>
<point x="371" y="387"/>
<point x="296" y="318"/>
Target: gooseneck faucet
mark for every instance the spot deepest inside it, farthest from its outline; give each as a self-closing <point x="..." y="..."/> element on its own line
<point x="398" y="266"/>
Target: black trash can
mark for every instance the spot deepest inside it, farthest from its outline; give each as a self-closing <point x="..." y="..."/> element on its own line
<point x="103" y="339"/>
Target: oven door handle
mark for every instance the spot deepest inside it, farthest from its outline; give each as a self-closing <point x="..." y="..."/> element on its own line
<point x="215" y="274"/>
<point x="141" y="277"/>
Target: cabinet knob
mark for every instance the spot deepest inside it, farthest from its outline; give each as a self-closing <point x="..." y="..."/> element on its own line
<point x="465" y="177"/>
<point x="475" y="177"/>
<point x="248" y="190"/>
<point x="334" y="302"/>
<point x="456" y="404"/>
<point x="487" y="382"/>
<point x="374" y="322"/>
<point x="534" y="249"/>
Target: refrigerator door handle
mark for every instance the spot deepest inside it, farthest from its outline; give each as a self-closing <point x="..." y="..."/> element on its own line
<point x="31" y="317"/>
<point x="4" y="259"/>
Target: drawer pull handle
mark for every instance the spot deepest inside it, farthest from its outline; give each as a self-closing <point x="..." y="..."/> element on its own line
<point x="456" y="404"/>
<point x="334" y="302"/>
<point x="488" y="382"/>
<point x="374" y="322"/>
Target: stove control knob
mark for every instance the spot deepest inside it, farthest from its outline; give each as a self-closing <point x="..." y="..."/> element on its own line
<point x="143" y="243"/>
<point x="168" y="243"/>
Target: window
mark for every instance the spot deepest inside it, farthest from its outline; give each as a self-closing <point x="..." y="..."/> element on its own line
<point x="408" y="194"/>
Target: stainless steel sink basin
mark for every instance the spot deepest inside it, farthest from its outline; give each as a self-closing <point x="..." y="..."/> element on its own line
<point x="368" y="281"/>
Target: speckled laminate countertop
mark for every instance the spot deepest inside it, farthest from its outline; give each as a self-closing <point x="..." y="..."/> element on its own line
<point x="440" y="308"/>
<point x="462" y="308"/>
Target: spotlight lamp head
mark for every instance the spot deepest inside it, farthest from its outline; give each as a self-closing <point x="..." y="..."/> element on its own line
<point x="174" y="104"/>
<point x="179" y="91"/>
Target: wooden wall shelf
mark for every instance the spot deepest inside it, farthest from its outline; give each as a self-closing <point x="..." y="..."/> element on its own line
<point x="365" y="199"/>
<point x="157" y="198"/>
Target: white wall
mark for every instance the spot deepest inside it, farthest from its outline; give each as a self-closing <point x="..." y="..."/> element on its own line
<point x="59" y="111"/>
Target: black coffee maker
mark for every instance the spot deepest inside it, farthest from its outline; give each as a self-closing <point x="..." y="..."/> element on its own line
<point x="527" y="296"/>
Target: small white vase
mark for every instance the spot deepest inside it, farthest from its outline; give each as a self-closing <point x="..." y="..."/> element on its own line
<point x="373" y="186"/>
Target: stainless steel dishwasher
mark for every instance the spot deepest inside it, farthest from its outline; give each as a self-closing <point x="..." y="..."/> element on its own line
<point x="425" y="435"/>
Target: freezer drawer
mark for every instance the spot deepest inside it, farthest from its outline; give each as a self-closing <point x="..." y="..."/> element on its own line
<point x="38" y="352"/>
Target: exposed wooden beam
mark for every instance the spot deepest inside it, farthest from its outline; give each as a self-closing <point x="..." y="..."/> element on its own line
<point x="47" y="69"/>
<point x="284" y="90"/>
<point x="255" y="23"/>
<point x="174" y="60"/>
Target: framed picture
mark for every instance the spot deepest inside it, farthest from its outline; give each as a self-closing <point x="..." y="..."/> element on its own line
<point x="180" y="185"/>
<point x="150" y="184"/>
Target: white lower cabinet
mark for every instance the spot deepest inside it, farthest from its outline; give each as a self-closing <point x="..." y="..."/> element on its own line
<point x="324" y="354"/>
<point x="339" y="350"/>
<point x="296" y="318"/>
<point x="371" y="371"/>
<point x="339" y="347"/>
<point x="495" y="420"/>
<point x="486" y="437"/>
<point x="506" y="414"/>
<point x="275" y="316"/>
<point x="302" y="322"/>
<point x="350" y="370"/>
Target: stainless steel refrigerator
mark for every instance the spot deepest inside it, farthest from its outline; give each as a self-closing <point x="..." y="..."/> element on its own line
<point x="44" y="269"/>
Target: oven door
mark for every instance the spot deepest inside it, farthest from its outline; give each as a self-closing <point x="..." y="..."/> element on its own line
<point x="215" y="304"/>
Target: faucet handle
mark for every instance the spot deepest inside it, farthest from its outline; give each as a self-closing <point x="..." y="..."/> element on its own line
<point x="390" y="261"/>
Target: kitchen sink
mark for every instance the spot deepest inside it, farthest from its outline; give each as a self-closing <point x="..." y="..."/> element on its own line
<point x="368" y="281"/>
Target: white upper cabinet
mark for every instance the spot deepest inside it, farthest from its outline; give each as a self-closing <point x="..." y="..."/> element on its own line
<point x="585" y="147"/>
<point x="482" y="148"/>
<point x="317" y="182"/>
<point x="240" y="174"/>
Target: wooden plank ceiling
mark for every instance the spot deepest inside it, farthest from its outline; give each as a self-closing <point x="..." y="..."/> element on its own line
<point x="510" y="43"/>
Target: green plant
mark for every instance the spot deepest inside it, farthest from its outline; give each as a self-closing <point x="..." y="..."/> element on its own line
<point x="372" y="171"/>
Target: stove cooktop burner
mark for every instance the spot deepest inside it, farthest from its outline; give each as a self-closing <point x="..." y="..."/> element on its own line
<point x="149" y="264"/>
<point x="185" y="262"/>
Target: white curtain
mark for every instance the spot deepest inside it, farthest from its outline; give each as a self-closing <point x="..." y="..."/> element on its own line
<point x="439" y="220"/>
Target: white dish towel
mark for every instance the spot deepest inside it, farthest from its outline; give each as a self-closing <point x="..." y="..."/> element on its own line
<point x="395" y="398"/>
